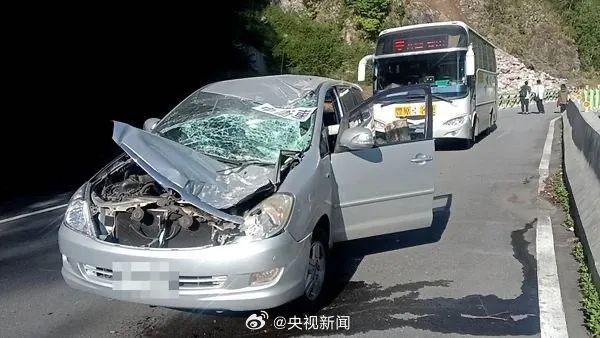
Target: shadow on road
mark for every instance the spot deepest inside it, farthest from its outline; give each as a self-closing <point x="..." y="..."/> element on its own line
<point x="372" y="307"/>
<point x="452" y="144"/>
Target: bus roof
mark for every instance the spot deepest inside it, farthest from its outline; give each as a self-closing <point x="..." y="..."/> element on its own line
<point x="434" y="24"/>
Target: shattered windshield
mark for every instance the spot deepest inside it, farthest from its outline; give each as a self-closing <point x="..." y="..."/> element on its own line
<point x="235" y="129"/>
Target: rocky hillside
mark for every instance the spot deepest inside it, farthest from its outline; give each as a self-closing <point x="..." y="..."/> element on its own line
<point x="531" y="42"/>
<point x="512" y="72"/>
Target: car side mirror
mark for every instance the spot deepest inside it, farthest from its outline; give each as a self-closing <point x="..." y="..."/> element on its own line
<point x="470" y="62"/>
<point x="151" y="123"/>
<point x="357" y="138"/>
<point x="362" y="67"/>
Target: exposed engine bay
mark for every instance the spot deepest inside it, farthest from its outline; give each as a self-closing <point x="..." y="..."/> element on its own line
<point x="132" y="209"/>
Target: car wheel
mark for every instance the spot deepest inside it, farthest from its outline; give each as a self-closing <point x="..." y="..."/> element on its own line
<point x="314" y="280"/>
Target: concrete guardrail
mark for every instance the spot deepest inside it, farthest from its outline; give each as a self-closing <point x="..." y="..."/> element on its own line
<point x="581" y="142"/>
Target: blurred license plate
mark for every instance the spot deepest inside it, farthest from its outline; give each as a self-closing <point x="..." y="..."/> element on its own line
<point x="148" y="279"/>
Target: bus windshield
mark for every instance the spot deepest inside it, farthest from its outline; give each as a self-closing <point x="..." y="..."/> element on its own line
<point x="445" y="72"/>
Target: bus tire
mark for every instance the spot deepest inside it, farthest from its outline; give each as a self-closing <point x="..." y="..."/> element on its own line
<point x="471" y="141"/>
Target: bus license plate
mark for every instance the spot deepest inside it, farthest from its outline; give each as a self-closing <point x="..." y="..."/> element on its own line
<point x="403" y="111"/>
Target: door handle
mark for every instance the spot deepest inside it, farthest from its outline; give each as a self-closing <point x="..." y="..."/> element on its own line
<point x="421" y="158"/>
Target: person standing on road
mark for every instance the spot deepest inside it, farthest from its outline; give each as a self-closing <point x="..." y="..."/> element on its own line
<point x="563" y="97"/>
<point x="538" y="92"/>
<point x="524" y="94"/>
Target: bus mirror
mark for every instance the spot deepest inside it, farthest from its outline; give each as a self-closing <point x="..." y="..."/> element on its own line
<point x="362" y="67"/>
<point x="470" y="62"/>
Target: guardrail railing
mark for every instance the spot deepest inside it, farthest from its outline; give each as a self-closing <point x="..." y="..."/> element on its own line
<point x="509" y="100"/>
<point x="588" y="98"/>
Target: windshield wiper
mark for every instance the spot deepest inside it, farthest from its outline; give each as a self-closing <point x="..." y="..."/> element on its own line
<point x="237" y="164"/>
<point x="414" y="97"/>
<point x="441" y="98"/>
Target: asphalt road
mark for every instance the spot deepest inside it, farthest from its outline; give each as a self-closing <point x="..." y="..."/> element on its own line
<point x="473" y="272"/>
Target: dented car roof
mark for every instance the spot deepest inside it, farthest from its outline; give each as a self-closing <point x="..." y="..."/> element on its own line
<point x="277" y="90"/>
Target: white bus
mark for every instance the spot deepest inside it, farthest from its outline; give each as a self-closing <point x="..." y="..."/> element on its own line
<point x="458" y="63"/>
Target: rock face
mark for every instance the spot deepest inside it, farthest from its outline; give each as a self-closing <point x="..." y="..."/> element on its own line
<point x="289" y="5"/>
<point x="530" y="30"/>
<point x="512" y="73"/>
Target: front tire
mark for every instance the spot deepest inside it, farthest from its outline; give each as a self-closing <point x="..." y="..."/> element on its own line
<point x="471" y="141"/>
<point x="315" y="276"/>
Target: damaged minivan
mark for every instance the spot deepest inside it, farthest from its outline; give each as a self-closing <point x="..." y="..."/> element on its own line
<point x="233" y="200"/>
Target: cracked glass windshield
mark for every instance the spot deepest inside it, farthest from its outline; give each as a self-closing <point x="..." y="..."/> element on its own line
<point x="234" y="129"/>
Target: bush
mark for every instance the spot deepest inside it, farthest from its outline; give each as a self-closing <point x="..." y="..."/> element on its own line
<point x="301" y="45"/>
<point x="369" y="14"/>
<point x="586" y="23"/>
<point x="583" y="20"/>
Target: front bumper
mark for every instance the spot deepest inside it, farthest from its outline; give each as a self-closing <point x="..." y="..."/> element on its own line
<point x="215" y="278"/>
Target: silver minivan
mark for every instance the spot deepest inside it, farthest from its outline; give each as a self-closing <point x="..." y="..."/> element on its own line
<point x="233" y="200"/>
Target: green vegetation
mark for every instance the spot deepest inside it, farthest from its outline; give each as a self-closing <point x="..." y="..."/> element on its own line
<point x="369" y="14"/>
<point x="583" y="20"/>
<point x="560" y="196"/>
<point x="590" y="302"/>
<point x="303" y="46"/>
<point x="325" y="38"/>
<point x="589" y="292"/>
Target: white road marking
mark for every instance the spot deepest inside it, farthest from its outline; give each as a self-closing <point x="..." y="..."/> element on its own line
<point x="10" y="219"/>
<point x="552" y="314"/>
<point x="545" y="161"/>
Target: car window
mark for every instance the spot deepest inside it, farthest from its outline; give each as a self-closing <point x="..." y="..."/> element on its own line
<point x="347" y="98"/>
<point x="357" y="95"/>
<point x="331" y="109"/>
<point x="331" y="119"/>
<point x="394" y="116"/>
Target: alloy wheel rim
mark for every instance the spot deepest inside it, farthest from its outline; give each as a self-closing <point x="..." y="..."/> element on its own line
<point x="315" y="276"/>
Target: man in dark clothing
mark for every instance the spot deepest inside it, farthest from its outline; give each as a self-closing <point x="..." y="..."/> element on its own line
<point x="524" y="94"/>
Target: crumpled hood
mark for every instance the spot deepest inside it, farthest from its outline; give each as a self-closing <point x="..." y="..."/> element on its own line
<point x="202" y="181"/>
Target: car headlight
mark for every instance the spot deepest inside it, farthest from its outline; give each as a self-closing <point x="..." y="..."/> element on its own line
<point x="378" y="125"/>
<point x="457" y="121"/>
<point x="268" y="218"/>
<point x="77" y="216"/>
